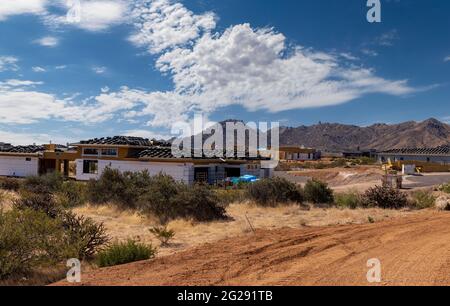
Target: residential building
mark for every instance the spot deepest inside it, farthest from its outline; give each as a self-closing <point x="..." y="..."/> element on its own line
<point x="138" y="154"/>
<point x="439" y="155"/>
<point x="294" y="153"/>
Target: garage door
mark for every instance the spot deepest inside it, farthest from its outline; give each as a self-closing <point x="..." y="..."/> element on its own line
<point x="18" y="166"/>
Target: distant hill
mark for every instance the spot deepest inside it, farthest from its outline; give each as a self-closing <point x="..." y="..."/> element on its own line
<point x="336" y="137"/>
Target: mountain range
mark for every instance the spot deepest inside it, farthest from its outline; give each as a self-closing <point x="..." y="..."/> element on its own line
<point x="337" y="137"/>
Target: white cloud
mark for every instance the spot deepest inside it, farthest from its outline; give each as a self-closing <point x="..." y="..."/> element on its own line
<point x="13" y="83"/>
<point x="147" y="134"/>
<point x="95" y="15"/>
<point x="60" y="67"/>
<point x="99" y="70"/>
<point x="27" y="138"/>
<point x="447" y="59"/>
<point x="10" y="8"/>
<point x="241" y="66"/>
<point x="162" y="24"/>
<point x="8" y="63"/>
<point x="38" y="69"/>
<point x="47" y="41"/>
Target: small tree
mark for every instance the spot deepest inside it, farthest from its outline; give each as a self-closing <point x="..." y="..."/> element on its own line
<point x="385" y="197"/>
<point x="318" y="192"/>
<point x="163" y="234"/>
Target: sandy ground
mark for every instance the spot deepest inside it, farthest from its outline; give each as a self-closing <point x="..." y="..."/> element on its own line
<point x="358" y="178"/>
<point x="413" y="251"/>
<point x="124" y="225"/>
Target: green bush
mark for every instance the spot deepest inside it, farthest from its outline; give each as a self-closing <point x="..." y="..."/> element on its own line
<point x="384" y="197"/>
<point x="84" y="236"/>
<point x="230" y="196"/>
<point x="274" y="191"/>
<point x="48" y="183"/>
<point x="71" y="194"/>
<point x="445" y="188"/>
<point x="42" y="202"/>
<point x="163" y="234"/>
<point x="318" y="192"/>
<point x="350" y="200"/>
<point x="29" y="240"/>
<point x="158" y="195"/>
<point x="423" y="199"/>
<point x="10" y="184"/>
<point x="120" y="253"/>
<point x="168" y="200"/>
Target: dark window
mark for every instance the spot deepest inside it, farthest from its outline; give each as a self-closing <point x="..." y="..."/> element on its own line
<point x="28" y="159"/>
<point x="90" y="167"/>
<point x="109" y="152"/>
<point x="90" y="151"/>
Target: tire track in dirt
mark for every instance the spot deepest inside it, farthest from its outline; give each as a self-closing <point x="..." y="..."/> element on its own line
<point x="413" y="251"/>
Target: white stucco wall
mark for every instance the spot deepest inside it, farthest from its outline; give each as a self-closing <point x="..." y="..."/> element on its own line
<point x="179" y="171"/>
<point x="18" y="166"/>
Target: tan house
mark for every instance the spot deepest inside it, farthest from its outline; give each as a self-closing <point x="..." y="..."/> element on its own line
<point x="295" y="153"/>
<point x="124" y="153"/>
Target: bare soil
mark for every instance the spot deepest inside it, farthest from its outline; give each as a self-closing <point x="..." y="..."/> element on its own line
<point x="414" y="250"/>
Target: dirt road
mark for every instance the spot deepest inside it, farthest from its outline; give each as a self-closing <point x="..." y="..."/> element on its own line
<point x="414" y="250"/>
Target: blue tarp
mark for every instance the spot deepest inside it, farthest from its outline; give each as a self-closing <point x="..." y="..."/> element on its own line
<point x="244" y="179"/>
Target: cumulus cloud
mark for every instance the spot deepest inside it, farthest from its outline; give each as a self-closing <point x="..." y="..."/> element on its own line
<point x="8" y="63"/>
<point x="94" y="15"/>
<point x="210" y="69"/>
<point x="162" y="24"/>
<point x="244" y="66"/>
<point x="10" y="8"/>
<point x="47" y="41"/>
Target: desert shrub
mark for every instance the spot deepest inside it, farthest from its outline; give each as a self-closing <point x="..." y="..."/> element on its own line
<point x="163" y="234"/>
<point x="340" y="162"/>
<point x="71" y="194"/>
<point x="445" y="188"/>
<point x="84" y="235"/>
<point x="41" y="202"/>
<point x="274" y="191"/>
<point x="125" y="252"/>
<point x="159" y="195"/>
<point x="28" y="240"/>
<point x="199" y="203"/>
<point x="318" y="192"/>
<point x="10" y="184"/>
<point x="367" y="161"/>
<point x="120" y="188"/>
<point x="48" y="183"/>
<point x="384" y="197"/>
<point x="230" y="196"/>
<point x="350" y="200"/>
<point x="167" y="199"/>
<point x="422" y="200"/>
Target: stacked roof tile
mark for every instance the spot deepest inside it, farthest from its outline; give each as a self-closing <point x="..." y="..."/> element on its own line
<point x="166" y="153"/>
<point x="119" y="141"/>
<point x="24" y="149"/>
<point x="442" y="150"/>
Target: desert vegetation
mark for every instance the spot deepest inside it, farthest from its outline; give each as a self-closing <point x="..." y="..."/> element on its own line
<point x="41" y="228"/>
<point x="119" y="253"/>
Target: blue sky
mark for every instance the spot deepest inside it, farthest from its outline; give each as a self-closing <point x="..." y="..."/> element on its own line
<point x="137" y="67"/>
